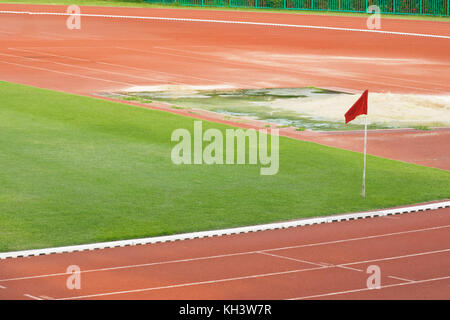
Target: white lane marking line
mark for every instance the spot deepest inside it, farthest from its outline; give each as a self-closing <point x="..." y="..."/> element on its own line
<point x="54" y="36"/>
<point x="401" y="279"/>
<point x="236" y="22"/>
<point x="77" y="66"/>
<point x="349" y="268"/>
<point x="2" y="287"/>
<point x="322" y="264"/>
<point x="168" y="74"/>
<point x="32" y="297"/>
<point x="65" y="73"/>
<point x="289" y="258"/>
<point x="224" y="82"/>
<point x="243" y="253"/>
<point x="235" y="279"/>
<point x="326" y="265"/>
<point x="217" y="59"/>
<point x="361" y="238"/>
<point x="193" y="283"/>
<point x="441" y="85"/>
<point x="124" y="66"/>
<point x="397" y="257"/>
<point x="186" y="57"/>
<point x="50" y="54"/>
<point x="256" y="66"/>
<point x="132" y="266"/>
<point x="47" y="298"/>
<point x="375" y="290"/>
<point x="69" y="47"/>
<point x="231" y="231"/>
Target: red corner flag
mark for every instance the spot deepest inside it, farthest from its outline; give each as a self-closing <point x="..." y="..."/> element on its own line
<point x="360" y="107"/>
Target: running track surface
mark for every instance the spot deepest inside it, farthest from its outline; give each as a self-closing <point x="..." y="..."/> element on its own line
<point x="110" y="54"/>
<point x="326" y="261"/>
<point x="322" y="261"/>
<point x="115" y="53"/>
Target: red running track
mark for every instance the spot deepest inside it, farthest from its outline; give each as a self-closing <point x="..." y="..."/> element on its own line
<point x="110" y="54"/>
<point x="114" y="53"/>
<point x="322" y="261"/>
<point x="326" y="261"/>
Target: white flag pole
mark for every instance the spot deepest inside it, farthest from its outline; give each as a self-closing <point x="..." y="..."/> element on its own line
<point x="365" y="147"/>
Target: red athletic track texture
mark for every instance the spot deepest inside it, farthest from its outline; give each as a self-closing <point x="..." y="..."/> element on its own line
<point x="322" y="261"/>
<point x="326" y="261"/>
<point x="110" y="54"/>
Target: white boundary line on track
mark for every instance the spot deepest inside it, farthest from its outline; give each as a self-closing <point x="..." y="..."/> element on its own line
<point x="246" y="277"/>
<point x="367" y="289"/>
<point x="264" y="251"/>
<point x="190" y="284"/>
<point x="230" y="22"/>
<point x="258" y="66"/>
<point x="32" y="297"/>
<point x="65" y="73"/>
<point x="215" y="59"/>
<point x="234" y="84"/>
<point x="115" y="65"/>
<point x="222" y="232"/>
<point x="77" y="66"/>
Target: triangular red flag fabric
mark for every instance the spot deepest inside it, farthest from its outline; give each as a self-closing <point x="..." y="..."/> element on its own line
<point x="360" y="107"/>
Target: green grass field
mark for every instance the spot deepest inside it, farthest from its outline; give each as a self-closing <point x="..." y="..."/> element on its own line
<point x="78" y="170"/>
<point x="142" y="3"/>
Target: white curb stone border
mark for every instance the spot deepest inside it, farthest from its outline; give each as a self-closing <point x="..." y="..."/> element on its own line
<point x="230" y="231"/>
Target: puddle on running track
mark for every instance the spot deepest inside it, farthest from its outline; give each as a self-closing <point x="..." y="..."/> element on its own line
<point x="302" y="108"/>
